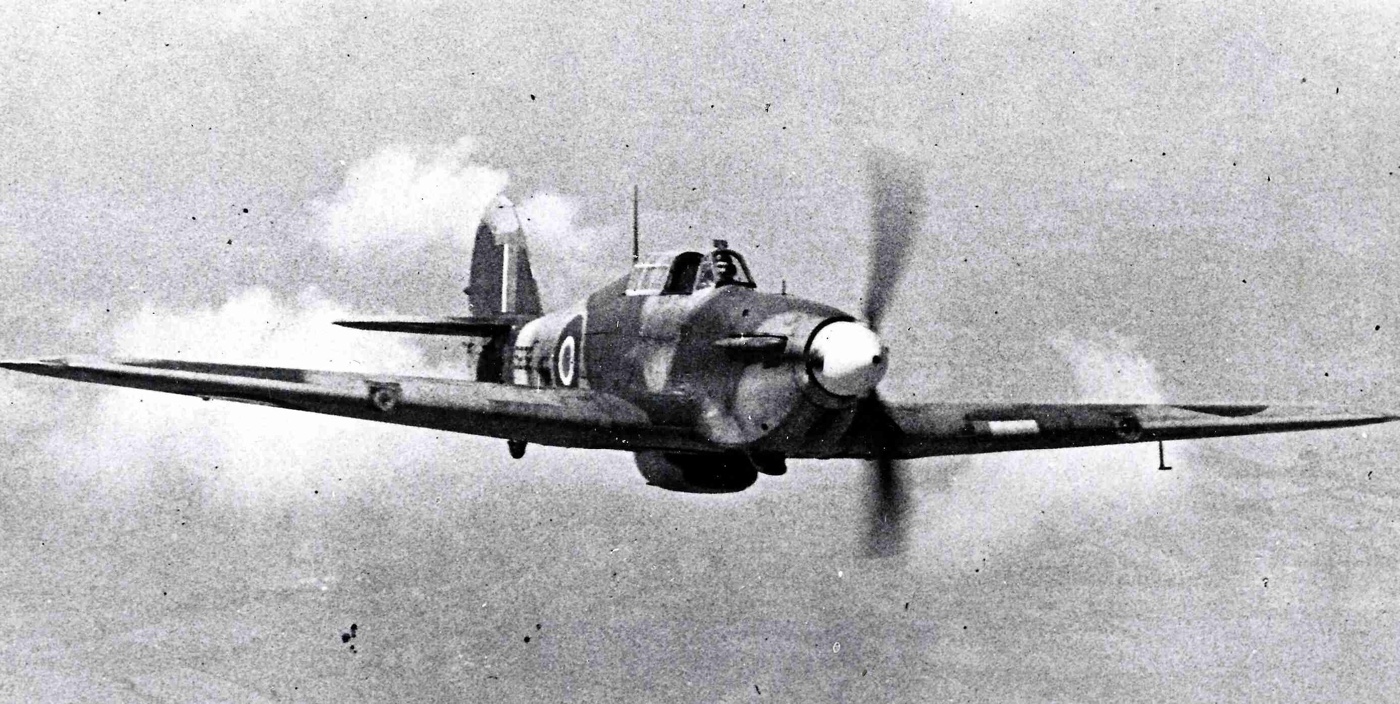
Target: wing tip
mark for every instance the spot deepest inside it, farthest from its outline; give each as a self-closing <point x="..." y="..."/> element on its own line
<point x="1346" y="415"/>
<point x="1263" y="411"/>
<point x="34" y="364"/>
<point x="1369" y="415"/>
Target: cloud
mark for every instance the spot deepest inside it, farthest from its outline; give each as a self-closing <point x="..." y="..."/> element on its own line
<point x="141" y="444"/>
<point x="423" y="205"/>
<point x="1109" y="369"/>
<point x="258" y="326"/>
<point x="568" y="257"/>
<point x="120" y="448"/>
<point x="127" y="447"/>
<point x="137" y="445"/>
<point x="998" y="502"/>
<point x="403" y="199"/>
<point x="549" y="218"/>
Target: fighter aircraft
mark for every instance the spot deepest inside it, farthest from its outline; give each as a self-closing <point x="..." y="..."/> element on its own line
<point x="708" y="380"/>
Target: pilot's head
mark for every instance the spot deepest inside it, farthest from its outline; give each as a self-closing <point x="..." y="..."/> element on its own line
<point x="725" y="269"/>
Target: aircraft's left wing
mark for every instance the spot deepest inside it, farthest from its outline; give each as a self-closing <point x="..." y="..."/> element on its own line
<point x="924" y="430"/>
<point x="568" y="417"/>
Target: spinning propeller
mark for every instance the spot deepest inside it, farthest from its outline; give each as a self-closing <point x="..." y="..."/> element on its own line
<point x="897" y="212"/>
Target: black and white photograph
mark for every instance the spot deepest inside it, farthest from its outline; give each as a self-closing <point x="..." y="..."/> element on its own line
<point x="736" y="351"/>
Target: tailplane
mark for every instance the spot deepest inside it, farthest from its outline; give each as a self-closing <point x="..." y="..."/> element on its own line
<point x="501" y="280"/>
<point x="502" y="297"/>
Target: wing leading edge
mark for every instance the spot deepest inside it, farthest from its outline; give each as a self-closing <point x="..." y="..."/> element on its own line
<point x="564" y="417"/>
<point x="926" y="430"/>
<point x="487" y="326"/>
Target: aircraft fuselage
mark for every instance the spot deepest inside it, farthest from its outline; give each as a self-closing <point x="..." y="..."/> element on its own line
<point x="730" y="366"/>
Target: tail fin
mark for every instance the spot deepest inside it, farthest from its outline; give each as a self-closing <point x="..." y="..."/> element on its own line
<point x="501" y="280"/>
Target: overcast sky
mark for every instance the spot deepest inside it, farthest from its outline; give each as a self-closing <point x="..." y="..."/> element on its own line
<point x="1130" y="201"/>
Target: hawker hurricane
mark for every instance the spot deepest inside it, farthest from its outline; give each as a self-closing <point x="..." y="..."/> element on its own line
<point x="684" y="361"/>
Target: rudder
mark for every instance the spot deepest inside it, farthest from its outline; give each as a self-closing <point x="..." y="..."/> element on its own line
<point x="501" y="280"/>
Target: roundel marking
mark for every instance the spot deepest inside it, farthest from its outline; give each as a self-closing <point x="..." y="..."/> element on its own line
<point x="1128" y="429"/>
<point x="568" y="360"/>
<point x="567" y="365"/>
<point x="384" y="396"/>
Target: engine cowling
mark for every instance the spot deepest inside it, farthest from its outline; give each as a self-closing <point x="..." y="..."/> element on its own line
<point x="698" y="473"/>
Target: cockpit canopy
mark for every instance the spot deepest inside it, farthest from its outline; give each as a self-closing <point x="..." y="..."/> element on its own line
<point x="684" y="273"/>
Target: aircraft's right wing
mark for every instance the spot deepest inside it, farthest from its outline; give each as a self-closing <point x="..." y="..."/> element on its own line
<point x="555" y="416"/>
<point x="928" y="429"/>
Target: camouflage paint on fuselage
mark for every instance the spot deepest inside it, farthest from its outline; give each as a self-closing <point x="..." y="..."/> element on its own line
<point x="658" y="351"/>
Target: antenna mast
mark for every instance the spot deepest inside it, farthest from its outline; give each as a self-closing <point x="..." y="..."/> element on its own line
<point x="636" y="236"/>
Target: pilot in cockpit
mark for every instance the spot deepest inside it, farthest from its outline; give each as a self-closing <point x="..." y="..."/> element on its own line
<point x="726" y="270"/>
<point x="724" y="267"/>
<point x="690" y="272"/>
